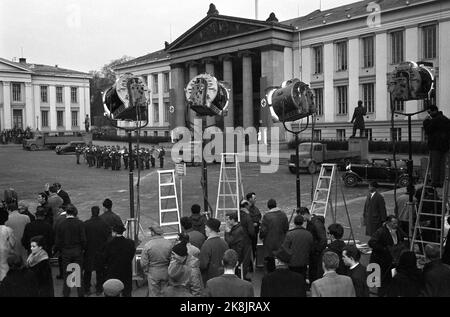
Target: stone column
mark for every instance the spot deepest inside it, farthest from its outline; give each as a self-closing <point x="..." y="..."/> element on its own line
<point x="381" y="61"/>
<point x="52" y="112"/>
<point x="179" y="96"/>
<point x="353" y="75"/>
<point x="193" y="71"/>
<point x="328" y="86"/>
<point x="37" y="106"/>
<point x="228" y="78"/>
<point x="443" y="93"/>
<point x="67" y="103"/>
<point x="7" y="104"/>
<point x="412" y="54"/>
<point x="209" y="68"/>
<point x="247" y="90"/>
<point x="29" y="108"/>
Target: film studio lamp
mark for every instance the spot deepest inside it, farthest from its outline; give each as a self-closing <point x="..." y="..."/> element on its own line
<point x="292" y="101"/>
<point x="127" y="100"/>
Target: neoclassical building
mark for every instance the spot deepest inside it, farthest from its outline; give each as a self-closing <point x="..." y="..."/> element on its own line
<point x="51" y="99"/>
<point x="346" y="54"/>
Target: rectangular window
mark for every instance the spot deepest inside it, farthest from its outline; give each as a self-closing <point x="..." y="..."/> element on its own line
<point x="166" y="111"/>
<point x="155" y="133"/>
<point x="74" y="118"/>
<point x="429" y="41"/>
<point x="397" y="47"/>
<point x="166" y="82"/>
<point x="73" y="94"/>
<point x="342" y="103"/>
<point x="59" y="94"/>
<point x="399" y="105"/>
<point x="60" y="118"/>
<point x="166" y="134"/>
<point x="44" y="118"/>
<point x="317" y="135"/>
<point x="368" y="49"/>
<point x="155" y="112"/>
<point x="341" y="56"/>
<point x="369" y="97"/>
<point x="340" y="134"/>
<point x="318" y="59"/>
<point x="368" y="133"/>
<point x="44" y="94"/>
<point x="145" y="133"/>
<point x="155" y="84"/>
<point x="16" y="92"/>
<point x="17" y="118"/>
<point x="396" y="134"/>
<point x="318" y="100"/>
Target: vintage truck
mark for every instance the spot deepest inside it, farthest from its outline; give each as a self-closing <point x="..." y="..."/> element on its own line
<point x="320" y="154"/>
<point x="42" y="141"/>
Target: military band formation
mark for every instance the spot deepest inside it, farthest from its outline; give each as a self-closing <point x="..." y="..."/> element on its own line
<point x="113" y="157"/>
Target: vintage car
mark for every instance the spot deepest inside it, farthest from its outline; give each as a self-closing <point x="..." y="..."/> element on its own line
<point x="379" y="170"/>
<point x="69" y="147"/>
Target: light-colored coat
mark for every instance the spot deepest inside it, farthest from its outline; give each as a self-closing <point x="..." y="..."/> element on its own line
<point x="333" y="285"/>
<point x="17" y="222"/>
<point x="7" y="243"/>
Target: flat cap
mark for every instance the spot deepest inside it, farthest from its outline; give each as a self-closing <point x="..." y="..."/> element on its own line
<point x="112" y="288"/>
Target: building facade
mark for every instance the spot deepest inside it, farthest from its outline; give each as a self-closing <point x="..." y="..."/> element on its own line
<point x="346" y="54"/>
<point x="46" y="98"/>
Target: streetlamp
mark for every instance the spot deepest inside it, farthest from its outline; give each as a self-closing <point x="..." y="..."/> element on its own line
<point x="292" y="101"/>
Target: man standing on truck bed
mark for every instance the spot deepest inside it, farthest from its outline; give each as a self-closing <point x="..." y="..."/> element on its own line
<point x="358" y="119"/>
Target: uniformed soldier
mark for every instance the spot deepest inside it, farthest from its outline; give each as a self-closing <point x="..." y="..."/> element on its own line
<point x="113" y="157"/>
<point x="162" y="153"/>
<point x="152" y="156"/>
<point x="147" y="158"/>
<point x="106" y="158"/>
<point x="119" y="158"/>
<point x="98" y="156"/>
<point x="78" y="152"/>
<point x="125" y="157"/>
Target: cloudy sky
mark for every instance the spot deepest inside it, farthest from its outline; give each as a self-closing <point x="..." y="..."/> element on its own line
<point x="86" y="34"/>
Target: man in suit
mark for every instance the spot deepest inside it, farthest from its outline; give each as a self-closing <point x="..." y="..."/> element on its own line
<point x="39" y="227"/>
<point x="54" y="202"/>
<point x="387" y="243"/>
<point x="70" y="240"/>
<point x="256" y="216"/>
<point x="283" y="282"/>
<point x="374" y="210"/>
<point x="274" y="226"/>
<point x="108" y="216"/>
<point x="61" y="193"/>
<point x="238" y="240"/>
<point x="97" y="235"/>
<point x="196" y="238"/>
<point x="357" y="271"/>
<point x="299" y="242"/>
<point x="358" y="119"/>
<point x="436" y="274"/>
<point x="332" y="284"/>
<point x="228" y="284"/>
<point x="119" y="254"/>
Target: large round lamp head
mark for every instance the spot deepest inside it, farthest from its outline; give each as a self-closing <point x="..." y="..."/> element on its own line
<point x="207" y="96"/>
<point x="292" y="101"/>
<point x="411" y="81"/>
<point x="127" y="99"/>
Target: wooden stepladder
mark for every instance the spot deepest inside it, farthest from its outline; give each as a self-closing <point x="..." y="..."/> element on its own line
<point x="322" y="196"/>
<point x="431" y="216"/>
<point x="230" y="189"/>
<point x="169" y="212"/>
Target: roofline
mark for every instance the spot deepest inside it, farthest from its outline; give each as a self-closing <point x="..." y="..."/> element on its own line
<point x="14" y="64"/>
<point x="298" y="29"/>
<point x="144" y="62"/>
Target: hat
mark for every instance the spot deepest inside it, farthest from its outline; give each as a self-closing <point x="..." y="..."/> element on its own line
<point x="112" y="288"/>
<point x="283" y="254"/>
<point x="180" y="249"/>
<point x="118" y="228"/>
<point x="213" y="224"/>
<point x="156" y="229"/>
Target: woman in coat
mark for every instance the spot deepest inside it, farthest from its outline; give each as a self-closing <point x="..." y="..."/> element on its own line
<point x="38" y="263"/>
<point x="7" y="243"/>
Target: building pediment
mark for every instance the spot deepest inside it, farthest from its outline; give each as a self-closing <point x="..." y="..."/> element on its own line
<point x="6" y="66"/>
<point x="219" y="28"/>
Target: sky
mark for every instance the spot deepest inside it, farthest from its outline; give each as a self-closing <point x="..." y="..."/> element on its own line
<point x="84" y="35"/>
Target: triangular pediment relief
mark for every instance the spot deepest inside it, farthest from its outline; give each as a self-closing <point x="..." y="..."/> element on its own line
<point x="216" y="28"/>
<point x="12" y="67"/>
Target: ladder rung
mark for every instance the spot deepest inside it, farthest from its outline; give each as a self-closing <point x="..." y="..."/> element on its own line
<point x="227" y="195"/>
<point x="432" y="201"/>
<point x="168" y="210"/>
<point x="168" y="197"/>
<point x="428" y="228"/>
<point x="167" y="184"/>
<point x="427" y="242"/>
<point x="228" y="181"/>
<point x="427" y="214"/>
<point x="229" y="167"/>
<point x="325" y="177"/>
<point x="165" y="224"/>
<point x="319" y="202"/>
<point x="321" y="189"/>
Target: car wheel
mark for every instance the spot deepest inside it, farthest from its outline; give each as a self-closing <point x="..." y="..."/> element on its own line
<point x="312" y="168"/>
<point x="350" y="180"/>
<point x="33" y="147"/>
<point x="403" y="181"/>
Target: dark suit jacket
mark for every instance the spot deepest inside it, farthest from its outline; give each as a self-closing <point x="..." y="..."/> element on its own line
<point x="383" y="249"/>
<point x="317" y="228"/>
<point x="210" y="257"/>
<point x="65" y="197"/>
<point x="437" y="279"/>
<point x="38" y="228"/>
<point x="70" y="234"/>
<point x="236" y="240"/>
<point x="283" y="283"/>
<point x="274" y="227"/>
<point x="119" y="254"/>
<point x="374" y="213"/>
<point x="359" y="278"/>
<point x="97" y="235"/>
<point x="300" y="242"/>
<point x="111" y="218"/>
<point x="228" y="285"/>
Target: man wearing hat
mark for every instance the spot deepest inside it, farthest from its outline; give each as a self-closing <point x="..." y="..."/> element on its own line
<point x="113" y="288"/>
<point x="119" y="254"/>
<point x="212" y="251"/>
<point x="283" y="282"/>
<point x="155" y="261"/>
